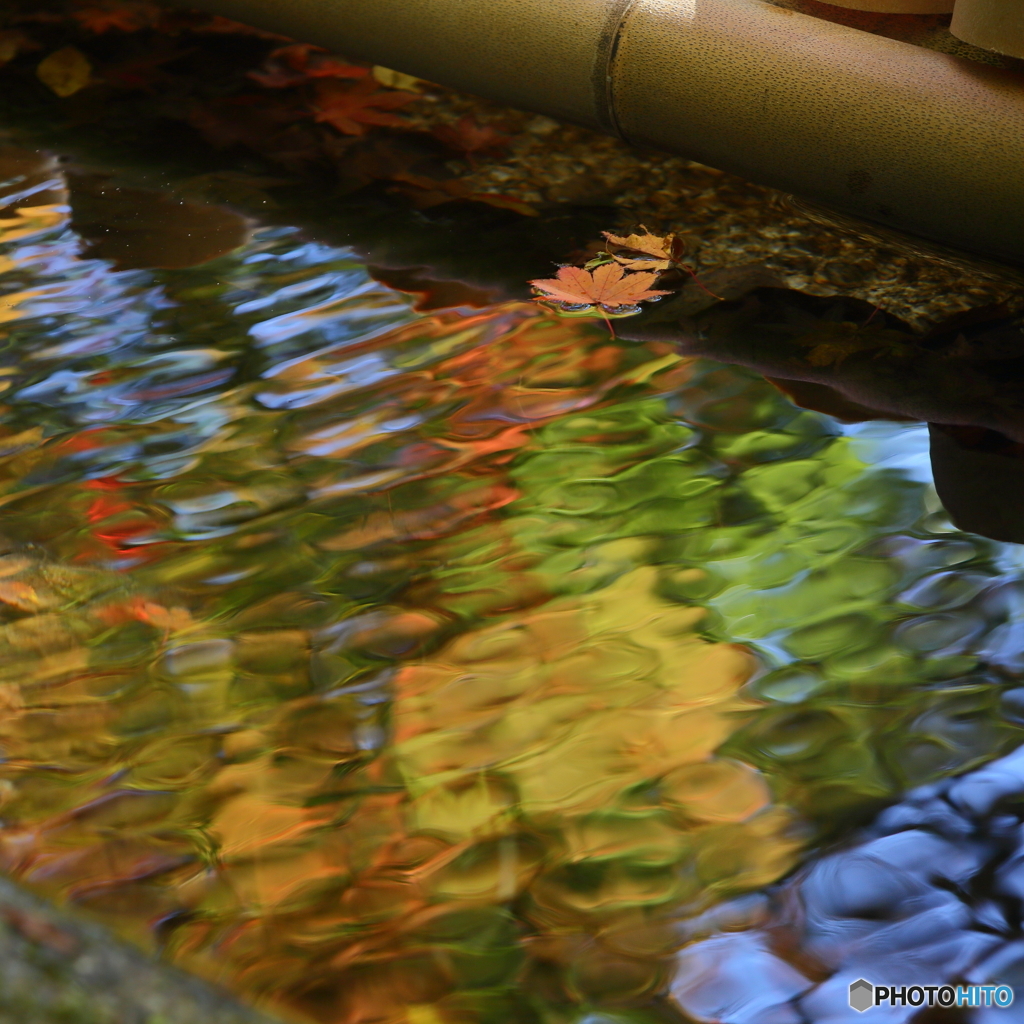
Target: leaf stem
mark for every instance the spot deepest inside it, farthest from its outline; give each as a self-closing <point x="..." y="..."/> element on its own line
<point x="874" y="313"/>
<point x="697" y="281"/>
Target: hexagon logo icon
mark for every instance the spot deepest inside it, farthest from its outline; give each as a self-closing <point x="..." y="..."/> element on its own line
<point x="862" y="995"/>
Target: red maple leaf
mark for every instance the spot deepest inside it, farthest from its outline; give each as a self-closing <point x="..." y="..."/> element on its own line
<point x="469" y="137"/>
<point x="608" y="287"/>
<point x="143" y="72"/>
<point x="350" y="108"/>
<point x="119" y="15"/>
<point x="216" y="24"/>
<point x="292" y="65"/>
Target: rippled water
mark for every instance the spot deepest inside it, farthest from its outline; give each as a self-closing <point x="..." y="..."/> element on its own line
<point x="406" y="667"/>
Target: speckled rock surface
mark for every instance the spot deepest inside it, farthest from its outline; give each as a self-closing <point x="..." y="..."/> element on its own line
<point x="725" y="220"/>
<point x="57" y="969"/>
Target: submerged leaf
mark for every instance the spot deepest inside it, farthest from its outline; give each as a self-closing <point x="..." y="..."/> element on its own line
<point x="500" y="202"/>
<point x="13" y="42"/>
<point x="120" y="15"/>
<point x="832" y="343"/>
<point x="351" y="108"/>
<point x="297" y="63"/>
<point x="65" y="71"/>
<point x="397" y="79"/>
<point x="219" y="25"/>
<point x="469" y="137"/>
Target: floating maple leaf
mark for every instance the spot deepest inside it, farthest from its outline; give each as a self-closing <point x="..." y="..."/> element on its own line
<point x="652" y="252"/>
<point x="609" y="288"/>
<point x="649" y="252"/>
<point x="468" y="137"/>
<point x="350" y="108"/>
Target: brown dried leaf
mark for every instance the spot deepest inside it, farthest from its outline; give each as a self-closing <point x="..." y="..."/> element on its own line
<point x="667" y="249"/>
<point x="642" y="263"/>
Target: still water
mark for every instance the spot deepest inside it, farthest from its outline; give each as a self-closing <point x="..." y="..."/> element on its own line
<point x="475" y="665"/>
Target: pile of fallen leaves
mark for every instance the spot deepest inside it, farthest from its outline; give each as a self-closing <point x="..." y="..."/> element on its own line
<point x="298" y="108"/>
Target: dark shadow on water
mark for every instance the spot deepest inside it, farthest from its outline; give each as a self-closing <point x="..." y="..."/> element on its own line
<point x="842" y="356"/>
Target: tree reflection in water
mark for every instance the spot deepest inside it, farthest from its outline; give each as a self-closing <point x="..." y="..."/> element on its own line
<point x="393" y="666"/>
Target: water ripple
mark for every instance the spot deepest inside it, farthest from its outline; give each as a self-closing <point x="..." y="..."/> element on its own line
<point x="459" y="666"/>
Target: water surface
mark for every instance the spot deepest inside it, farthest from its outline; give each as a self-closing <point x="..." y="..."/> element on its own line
<point x="436" y="667"/>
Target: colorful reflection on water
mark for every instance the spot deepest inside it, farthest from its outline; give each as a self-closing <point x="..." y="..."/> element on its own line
<point x="404" y="667"/>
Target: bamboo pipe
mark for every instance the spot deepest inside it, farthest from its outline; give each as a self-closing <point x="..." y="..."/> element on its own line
<point x="994" y="24"/>
<point x="921" y="141"/>
<point x="897" y="6"/>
